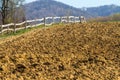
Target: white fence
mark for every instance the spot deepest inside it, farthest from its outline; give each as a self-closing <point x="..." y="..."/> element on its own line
<point x="37" y="22"/>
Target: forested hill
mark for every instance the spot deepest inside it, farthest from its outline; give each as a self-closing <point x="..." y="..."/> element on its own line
<point x="42" y="8"/>
<point x="105" y="10"/>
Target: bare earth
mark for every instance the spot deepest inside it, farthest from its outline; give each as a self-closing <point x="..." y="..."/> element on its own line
<point x="89" y="51"/>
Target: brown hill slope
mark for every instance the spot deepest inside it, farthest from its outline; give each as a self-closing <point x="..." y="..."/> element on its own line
<point x="89" y="51"/>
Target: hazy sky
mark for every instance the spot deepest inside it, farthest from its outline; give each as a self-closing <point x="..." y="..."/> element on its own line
<point x="87" y="3"/>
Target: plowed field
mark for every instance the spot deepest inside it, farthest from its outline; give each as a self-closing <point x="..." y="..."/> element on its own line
<point x="88" y="51"/>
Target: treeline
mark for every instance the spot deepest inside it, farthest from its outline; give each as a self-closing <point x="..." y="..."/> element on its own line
<point x="45" y="8"/>
<point x="113" y="17"/>
<point x="11" y="11"/>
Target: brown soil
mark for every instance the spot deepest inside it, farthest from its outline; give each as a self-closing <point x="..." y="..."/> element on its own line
<point x="89" y="51"/>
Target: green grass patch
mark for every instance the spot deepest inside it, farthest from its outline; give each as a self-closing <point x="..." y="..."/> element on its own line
<point x="19" y="32"/>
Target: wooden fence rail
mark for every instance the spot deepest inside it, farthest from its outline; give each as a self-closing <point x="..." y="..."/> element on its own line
<point x="46" y="21"/>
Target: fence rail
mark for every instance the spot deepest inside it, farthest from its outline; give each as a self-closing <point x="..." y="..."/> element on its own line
<point x="46" y="21"/>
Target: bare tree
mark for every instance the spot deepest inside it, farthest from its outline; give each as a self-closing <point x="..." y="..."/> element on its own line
<point x="8" y="9"/>
<point x="4" y="7"/>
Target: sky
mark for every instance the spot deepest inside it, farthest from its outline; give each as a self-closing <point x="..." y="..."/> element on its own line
<point x="87" y="3"/>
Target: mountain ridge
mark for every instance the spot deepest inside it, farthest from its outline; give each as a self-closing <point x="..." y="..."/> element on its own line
<point x="45" y="8"/>
<point x="104" y="10"/>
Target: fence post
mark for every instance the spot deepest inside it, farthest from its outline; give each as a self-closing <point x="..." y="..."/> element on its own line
<point x="31" y="24"/>
<point x="80" y="19"/>
<point x="25" y="24"/>
<point x="53" y="20"/>
<point x="68" y="19"/>
<point x="7" y="29"/>
<point x="45" y="21"/>
<point x="61" y="19"/>
<point x="14" y="27"/>
<point x="1" y="28"/>
<point x="74" y="19"/>
<point x="35" y="22"/>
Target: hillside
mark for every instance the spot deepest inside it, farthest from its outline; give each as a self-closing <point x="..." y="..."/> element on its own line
<point x="43" y="8"/>
<point x="89" y="51"/>
<point x="105" y="10"/>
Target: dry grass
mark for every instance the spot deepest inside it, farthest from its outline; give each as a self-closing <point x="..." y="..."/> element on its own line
<point x="89" y="51"/>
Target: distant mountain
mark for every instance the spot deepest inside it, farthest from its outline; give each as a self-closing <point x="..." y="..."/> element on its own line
<point x="105" y="10"/>
<point x="43" y="8"/>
